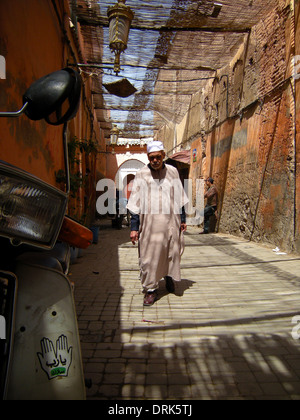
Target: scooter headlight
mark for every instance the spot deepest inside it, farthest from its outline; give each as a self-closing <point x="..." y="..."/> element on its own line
<point x="31" y="211"/>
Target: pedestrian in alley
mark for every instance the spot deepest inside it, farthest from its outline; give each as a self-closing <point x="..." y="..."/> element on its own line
<point x="158" y="222"/>
<point x="210" y="209"/>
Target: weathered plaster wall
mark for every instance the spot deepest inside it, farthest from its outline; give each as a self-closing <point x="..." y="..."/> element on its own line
<point x="242" y="125"/>
<point x="253" y="168"/>
<point x="297" y="126"/>
<point x="29" y="54"/>
<point x="36" y="38"/>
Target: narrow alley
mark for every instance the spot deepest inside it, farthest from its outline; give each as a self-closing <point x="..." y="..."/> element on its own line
<point x="86" y="87"/>
<point x="230" y="331"/>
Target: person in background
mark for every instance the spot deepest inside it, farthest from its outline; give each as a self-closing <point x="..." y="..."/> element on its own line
<point x="210" y="209"/>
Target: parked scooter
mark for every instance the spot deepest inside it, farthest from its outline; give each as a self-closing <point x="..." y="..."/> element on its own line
<point x="40" y="357"/>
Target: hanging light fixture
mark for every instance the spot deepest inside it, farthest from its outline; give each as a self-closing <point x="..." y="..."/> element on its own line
<point x="114" y="137"/>
<point x="120" y="17"/>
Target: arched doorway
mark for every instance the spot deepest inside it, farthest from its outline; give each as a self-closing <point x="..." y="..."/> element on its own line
<point x="126" y="174"/>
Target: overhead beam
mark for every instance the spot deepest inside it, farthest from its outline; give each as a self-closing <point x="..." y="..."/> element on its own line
<point x="104" y="24"/>
<point x="148" y="67"/>
<point x="132" y="123"/>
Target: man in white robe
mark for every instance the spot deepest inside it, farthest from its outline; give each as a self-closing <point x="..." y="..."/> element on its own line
<point x="158" y="221"/>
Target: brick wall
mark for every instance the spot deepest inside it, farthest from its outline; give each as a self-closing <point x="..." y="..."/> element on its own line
<point x="247" y="142"/>
<point x="297" y="127"/>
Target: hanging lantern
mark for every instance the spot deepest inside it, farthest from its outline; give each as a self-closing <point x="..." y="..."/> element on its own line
<point x="114" y="135"/>
<point x="120" y="17"/>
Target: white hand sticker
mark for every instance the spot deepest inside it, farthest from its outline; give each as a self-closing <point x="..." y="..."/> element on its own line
<point x="64" y="354"/>
<point x="55" y="363"/>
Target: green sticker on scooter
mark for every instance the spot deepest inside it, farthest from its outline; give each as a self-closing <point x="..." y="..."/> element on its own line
<point x="58" y="372"/>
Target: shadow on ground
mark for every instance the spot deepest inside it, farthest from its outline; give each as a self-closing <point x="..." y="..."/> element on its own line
<point x="224" y="366"/>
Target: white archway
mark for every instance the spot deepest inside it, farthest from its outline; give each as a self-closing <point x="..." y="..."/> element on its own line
<point x="126" y="173"/>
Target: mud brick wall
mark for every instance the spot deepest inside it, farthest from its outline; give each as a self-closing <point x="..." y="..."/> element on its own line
<point x="297" y="127"/>
<point x="250" y="123"/>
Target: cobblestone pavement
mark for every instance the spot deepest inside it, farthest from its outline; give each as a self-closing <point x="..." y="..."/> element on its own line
<point x="226" y="333"/>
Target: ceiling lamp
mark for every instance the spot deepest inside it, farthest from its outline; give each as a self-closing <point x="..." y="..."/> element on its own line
<point x="114" y="135"/>
<point x="120" y="17"/>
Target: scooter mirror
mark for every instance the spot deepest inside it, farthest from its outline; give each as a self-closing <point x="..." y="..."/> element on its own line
<point x="54" y="97"/>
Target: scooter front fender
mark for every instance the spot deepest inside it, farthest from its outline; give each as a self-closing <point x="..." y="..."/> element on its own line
<point x="46" y="357"/>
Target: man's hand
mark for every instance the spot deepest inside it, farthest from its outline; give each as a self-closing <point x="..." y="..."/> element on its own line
<point x="183" y="227"/>
<point x="134" y="236"/>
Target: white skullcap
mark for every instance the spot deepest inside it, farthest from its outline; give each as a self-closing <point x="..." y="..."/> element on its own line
<point x="155" y="146"/>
